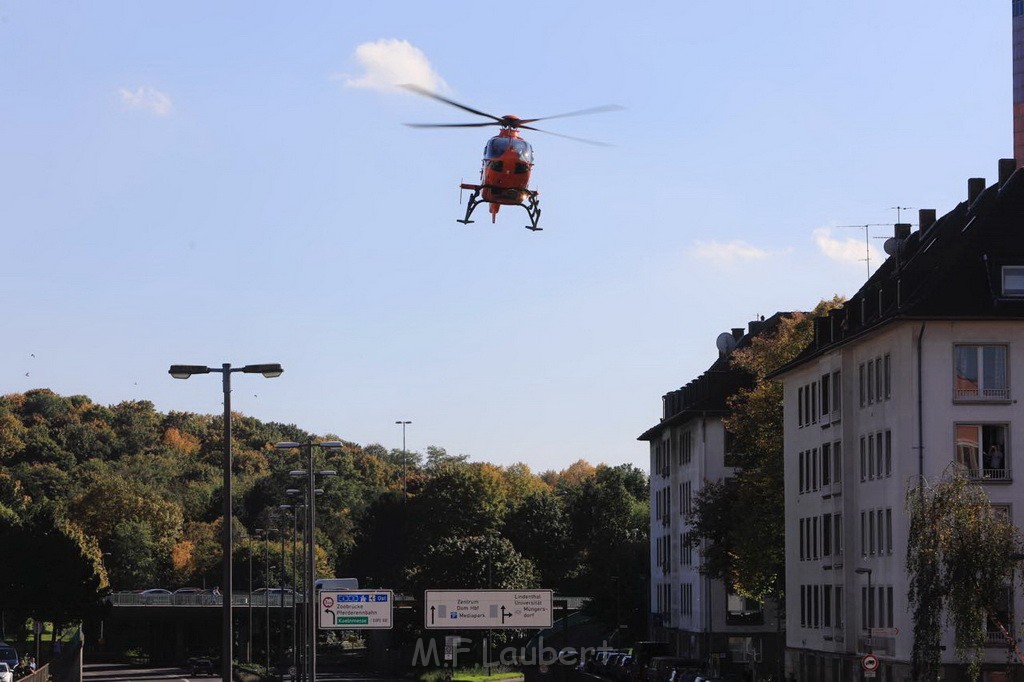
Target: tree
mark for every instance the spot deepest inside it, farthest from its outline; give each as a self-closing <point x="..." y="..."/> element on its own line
<point x="458" y="500"/>
<point x="739" y="525"/>
<point x="472" y="562"/>
<point x="538" y="528"/>
<point x="960" y="550"/>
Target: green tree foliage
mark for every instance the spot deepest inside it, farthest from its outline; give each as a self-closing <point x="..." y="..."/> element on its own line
<point x="458" y="500"/>
<point x="960" y="552"/>
<point x="472" y="562"/>
<point x="144" y="490"/>
<point x="740" y="524"/>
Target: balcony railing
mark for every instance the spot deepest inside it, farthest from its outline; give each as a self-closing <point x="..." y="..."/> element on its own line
<point x="1001" y="474"/>
<point x="981" y="394"/>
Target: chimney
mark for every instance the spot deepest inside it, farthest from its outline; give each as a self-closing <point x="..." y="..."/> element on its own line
<point x="925" y="219"/>
<point x="1018" y="82"/>
<point x="737" y="333"/>
<point x="975" y="186"/>
<point x="1006" y="168"/>
<point x="902" y="230"/>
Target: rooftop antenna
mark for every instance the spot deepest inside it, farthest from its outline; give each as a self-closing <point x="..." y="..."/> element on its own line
<point x="867" y="240"/>
<point x="898" y="209"/>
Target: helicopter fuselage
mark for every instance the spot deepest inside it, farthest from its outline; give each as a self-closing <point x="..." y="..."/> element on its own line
<point x="505" y="173"/>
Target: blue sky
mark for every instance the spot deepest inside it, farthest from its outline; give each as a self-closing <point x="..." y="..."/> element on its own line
<point x="196" y="182"/>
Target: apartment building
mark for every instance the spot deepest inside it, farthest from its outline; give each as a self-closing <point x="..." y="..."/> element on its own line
<point x="923" y="367"/>
<point x="700" y="617"/>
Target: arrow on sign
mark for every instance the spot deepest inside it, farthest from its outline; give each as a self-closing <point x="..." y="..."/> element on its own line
<point x="431" y="615"/>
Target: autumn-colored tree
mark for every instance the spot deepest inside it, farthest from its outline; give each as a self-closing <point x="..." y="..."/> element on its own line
<point x="740" y="524"/>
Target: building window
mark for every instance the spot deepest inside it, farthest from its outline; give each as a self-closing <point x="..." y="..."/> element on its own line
<point x="1013" y="275"/>
<point x="686" y="599"/>
<point x="800" y="406"/>
<point x="826" y="464"/>
<point x="871" y="381"/>
<point x="837" y="462"/>
<point x="743" y="611"/>
<point x="982" y="448"/>
<point x="837" y="392"/>
<point x="837" y="534"/>
<point x="887" y="376"/>
<point x="826" y="535"/>
<point x="860" y="385"/>
<point x="826" y="394"/>
<point x="839" y="606"/>
<point x="980" y="373"/>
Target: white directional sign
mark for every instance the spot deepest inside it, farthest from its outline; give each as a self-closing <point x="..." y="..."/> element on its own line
<point x="487" y="609"/>
<point x="356" y="609"/>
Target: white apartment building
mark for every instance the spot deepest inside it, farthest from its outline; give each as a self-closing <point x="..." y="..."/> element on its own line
<point x="699" y="616"/>
<point x="923" y="367"/>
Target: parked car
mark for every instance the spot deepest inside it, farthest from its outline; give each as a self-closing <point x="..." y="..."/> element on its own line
<point x="202" y="666"/>
<point x="154" y="591"/>
<point x="8" y="655"/>
<point x="660" y="668"/>
<point x="6" y="672"/>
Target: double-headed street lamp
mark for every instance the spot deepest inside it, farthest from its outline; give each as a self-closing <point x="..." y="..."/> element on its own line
<point x="311" y="492"/>
<point x="184" y="372"/>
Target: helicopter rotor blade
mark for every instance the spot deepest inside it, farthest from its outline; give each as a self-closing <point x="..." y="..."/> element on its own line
<point x="433" y="95"/>
<point x="568" y="137"/>
<point x="581" y="112"/>
<point x="452" y="125"/>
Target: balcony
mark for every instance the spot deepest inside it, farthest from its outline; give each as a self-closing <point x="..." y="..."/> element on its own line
<point x="981" y="394"/>
<point x="1001" y="474"/>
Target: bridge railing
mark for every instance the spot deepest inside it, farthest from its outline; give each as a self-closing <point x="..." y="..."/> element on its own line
<point x="202" y="599"/>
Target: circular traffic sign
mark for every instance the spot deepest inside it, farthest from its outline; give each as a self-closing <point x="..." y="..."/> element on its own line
<point x="869" y="662"/>
<point x="328" y="602"/>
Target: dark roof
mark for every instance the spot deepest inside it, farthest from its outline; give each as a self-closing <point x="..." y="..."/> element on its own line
<point x="708" y="393"/>
<point x="949" y="270"/>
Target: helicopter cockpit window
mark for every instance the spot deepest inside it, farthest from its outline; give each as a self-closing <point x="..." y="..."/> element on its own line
<point x="496" y="146"/>
<point x="524" y="150"/>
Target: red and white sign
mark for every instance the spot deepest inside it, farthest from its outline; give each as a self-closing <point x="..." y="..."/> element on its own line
<point x="869" y="663"/>
<point x="328" y="602"/>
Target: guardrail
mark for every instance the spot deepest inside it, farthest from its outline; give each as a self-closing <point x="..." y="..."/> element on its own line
<point x="194" y="599"/>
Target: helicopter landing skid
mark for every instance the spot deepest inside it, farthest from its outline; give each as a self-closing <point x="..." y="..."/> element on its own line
<point x="532" y="206"/>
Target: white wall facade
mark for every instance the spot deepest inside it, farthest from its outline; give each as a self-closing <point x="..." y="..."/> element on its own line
<point x="694" y="610"/>
<point x="877" y="436"/>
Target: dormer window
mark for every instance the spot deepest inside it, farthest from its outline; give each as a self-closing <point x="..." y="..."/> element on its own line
<point x="1013" y="280"/>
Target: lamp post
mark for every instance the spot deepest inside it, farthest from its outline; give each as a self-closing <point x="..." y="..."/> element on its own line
<point x="226" y="370"/>
<point x="266" y="593"/>
<point x="284" y="586"/>
<point x="295" y="576"/>
<point x="405" y="459"/>
<point x="311" y="492"/>
<point x="248" y="602"/>
<point x="869" y="607"/>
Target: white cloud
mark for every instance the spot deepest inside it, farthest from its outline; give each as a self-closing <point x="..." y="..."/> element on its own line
<point x="146" y="98"/>
<point x="388" y="63"/>
<point x="726" y="253"/>
<point x="846" y="249"/>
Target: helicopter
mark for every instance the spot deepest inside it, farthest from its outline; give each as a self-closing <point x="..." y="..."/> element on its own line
<point x="508" y="159"/>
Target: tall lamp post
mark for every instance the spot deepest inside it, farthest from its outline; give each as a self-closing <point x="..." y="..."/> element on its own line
<point x="405" y="459"/>
<point x="184" y="372"/>
<point x="869" y="607"/>
<point x="295" y="576"/>
<point x="311" y="492"/>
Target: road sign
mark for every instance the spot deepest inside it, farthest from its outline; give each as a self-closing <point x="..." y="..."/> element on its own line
<point x="869" y="663"/>
<point x="487" y="609"/>
<point x="356" y="609"/>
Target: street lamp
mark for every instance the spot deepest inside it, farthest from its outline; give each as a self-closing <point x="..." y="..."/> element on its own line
<point x="266" y="591"/>
<point x="869" y="605"/>
<point x="295" y="573"/>
<point x="184" y="372"/>
<point x="405" y="459"/>
<point x="311" y="492"/>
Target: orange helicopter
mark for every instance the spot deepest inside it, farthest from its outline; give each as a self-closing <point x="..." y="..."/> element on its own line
<point x="508" y="159"/>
